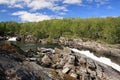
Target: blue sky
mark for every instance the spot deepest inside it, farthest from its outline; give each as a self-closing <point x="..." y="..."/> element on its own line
<point x="39" y="10"/>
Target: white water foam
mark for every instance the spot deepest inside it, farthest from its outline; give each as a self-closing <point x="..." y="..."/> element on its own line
<point x="104" y="60"/>
<point x="12" y="39"/>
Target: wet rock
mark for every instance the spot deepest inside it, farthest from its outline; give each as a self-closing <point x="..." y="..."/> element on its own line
<point x="18" y="38"/>
<point x="45" y="50"/>
<point x="99" y="48"/>
<point x="32" y="59"/>
<point x="3" y="38"/>
<point x="91" y="65"/>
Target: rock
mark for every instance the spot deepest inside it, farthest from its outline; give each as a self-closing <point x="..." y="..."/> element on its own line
<point x="82" y="61"/>
<point x="91" y="64"/>
<point x="2" y="74"/>
<point x="71" y="59"/>
<point x="45" y="50"/>
<point x="99" y="48"/>
<point x="46" y="61"/>
<point x="57" y="51"/>
<point x="66" y="50"/>
<point x="65" y="70"/>
<point x="74" y="75"/>
<point x="43" y="41"/>
<point x="64" y="66"/>
<point x="30" y="53"/>
<point x="62" y="62"/>
<point x="32" y="59"/>
<point x="12" y="67"/>
<point x="3" y="38"/>
<point x="68" y="77"/>
<point x="18" y="38"/>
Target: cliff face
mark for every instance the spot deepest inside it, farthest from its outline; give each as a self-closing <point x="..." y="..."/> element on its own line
<point x="51" y="64"/>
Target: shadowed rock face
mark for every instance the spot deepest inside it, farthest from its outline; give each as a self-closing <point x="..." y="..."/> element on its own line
<point x="2" y="74"/>
<point x="14" y="67"/>
<point x="51" y="65"/>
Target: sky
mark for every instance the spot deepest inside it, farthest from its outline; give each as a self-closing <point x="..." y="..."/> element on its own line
<point x="39" y="10"/>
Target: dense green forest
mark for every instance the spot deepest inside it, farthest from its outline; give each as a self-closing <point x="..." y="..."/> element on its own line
<point x="105" y="29"/>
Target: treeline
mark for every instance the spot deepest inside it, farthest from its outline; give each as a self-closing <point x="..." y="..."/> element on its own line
<point x="105" y="29"/>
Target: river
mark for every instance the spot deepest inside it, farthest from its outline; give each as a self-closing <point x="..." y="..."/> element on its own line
<point x="104" y="60"/>
<point x="27" y="46"/>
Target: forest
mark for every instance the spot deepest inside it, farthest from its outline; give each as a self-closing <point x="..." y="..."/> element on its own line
<point x="104" y="29"/>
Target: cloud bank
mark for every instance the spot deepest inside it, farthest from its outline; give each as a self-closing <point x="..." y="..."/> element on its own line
<point x="31" y="17"/>
<point x="60" y="7"/>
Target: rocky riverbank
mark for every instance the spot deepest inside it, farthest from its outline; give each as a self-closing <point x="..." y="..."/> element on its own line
<point x="51" y="64"/>
<point x="98" y="48"/>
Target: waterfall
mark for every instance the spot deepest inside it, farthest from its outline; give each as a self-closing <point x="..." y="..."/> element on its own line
<point x="12" y="39"/>
<point x="104" y="60"/>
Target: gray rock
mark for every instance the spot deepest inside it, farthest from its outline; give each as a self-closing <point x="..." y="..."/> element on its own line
<point x="66" y="70"/>
<point x="13" y="67"/>
<point x="46" y="61"/>
<point x="74" y="75"/>
<point x="71" y="59"/>
<point x="66" y="50"/>
<point x="57" y="51"/>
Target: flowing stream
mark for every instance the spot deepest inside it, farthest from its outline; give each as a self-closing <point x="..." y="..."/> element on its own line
<point x="12" y="39"/>
<point x="104" y="60"/>
<point x="87" y="53"/>
<point x="31" y="45"/>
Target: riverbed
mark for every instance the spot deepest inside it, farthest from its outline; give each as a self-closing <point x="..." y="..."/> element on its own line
<point x="33" y="46"/>
<point x="30" y="45"/>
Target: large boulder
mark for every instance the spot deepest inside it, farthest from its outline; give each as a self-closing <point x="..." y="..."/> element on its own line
<point x="14" y="67"/>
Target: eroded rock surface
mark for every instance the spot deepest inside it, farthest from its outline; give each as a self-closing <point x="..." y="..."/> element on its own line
<point x="51" y="64"/>
<point x="78" y="66"/>
<point x="98" y="48"/>
<point x="14" y="67"/>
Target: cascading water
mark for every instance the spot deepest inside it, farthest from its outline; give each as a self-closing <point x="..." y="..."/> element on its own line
<point x="104" y="60"/>
<point x="12" y="39"/>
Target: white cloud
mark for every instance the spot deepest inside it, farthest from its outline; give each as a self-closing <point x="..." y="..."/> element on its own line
<point x="35" y="4"/>
<point x="40" y="4"/>
<point x="13" y="3"/>
<point x="72" y="1"/>
<point x="49" y="4"/>
<point x="59" y="8"/>
<point x="31" y="17"/>
<point x="4" y="1"/>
